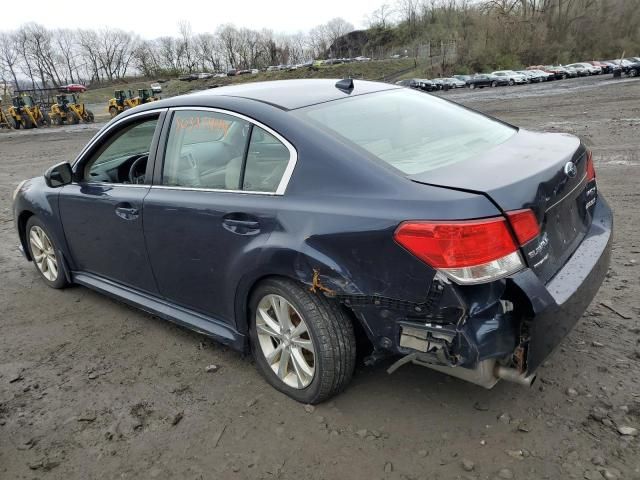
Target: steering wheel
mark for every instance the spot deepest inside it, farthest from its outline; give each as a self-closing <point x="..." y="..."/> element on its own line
<point x="137" y="170"/>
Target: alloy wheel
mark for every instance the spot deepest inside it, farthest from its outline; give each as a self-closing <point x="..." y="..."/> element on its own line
<point x="43" y="253"/>
<point x="285" y="341"/>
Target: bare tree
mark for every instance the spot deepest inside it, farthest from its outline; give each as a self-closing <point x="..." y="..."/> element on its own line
<point x="381" y="17"/>
<point x="9" y="55"/>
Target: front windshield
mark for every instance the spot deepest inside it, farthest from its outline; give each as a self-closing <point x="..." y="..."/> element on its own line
<point x="409" y="130"/>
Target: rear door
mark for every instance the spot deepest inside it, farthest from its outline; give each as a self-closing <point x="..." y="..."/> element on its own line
<point x="213" y="205"/>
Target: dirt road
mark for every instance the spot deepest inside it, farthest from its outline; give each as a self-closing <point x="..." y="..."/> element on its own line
<point x="93" y="389"/>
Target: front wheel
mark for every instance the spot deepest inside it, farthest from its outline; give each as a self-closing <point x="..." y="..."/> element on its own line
<point x="44" y="254"/>
<point x="633" y="72"/>
<point x="303" y="343"/>
<point x="511" y="83"/>
<point x="494" y="84"/>
<point x="472" y="86"/>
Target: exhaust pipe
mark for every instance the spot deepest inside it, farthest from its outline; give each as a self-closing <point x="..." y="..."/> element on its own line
<point x="512" y="375"/>
<point x="486" y="374"/>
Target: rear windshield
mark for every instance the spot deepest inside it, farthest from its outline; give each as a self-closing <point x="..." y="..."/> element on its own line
<point x="412" y="131"/>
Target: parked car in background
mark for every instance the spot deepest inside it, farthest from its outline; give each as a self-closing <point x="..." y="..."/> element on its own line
<point x="362" y="59"/>
<point x="482" y="80"/>
<point x="243" y="72"/>
<point x="73" y="88"/>
<point x="532" y="76"/>
<point x="299" y="224"/>
<point x="439" y="84"/>
<point x="584" y="69"/>
<point x="464" y="78"/>
<point x="571" y="72"/>
<point x="544" y="75"/>
<point x="594" y="67"/>
<point x="190" y="77"/>
<point x="559" y="73"/>
<point x="156" y="88"/>
<point x="512" y="77"/>
<point x="453" y="82"/>
<point x="254" y="71"/>
<point x="418" y="84"/>
<point x="232" y="72"/>
<point x="604" y="67"/>
<point x="204" y="75"/>
<point x="220" y="75"/>
<point x="631" y="66"/>
<point x="426" y="85"/>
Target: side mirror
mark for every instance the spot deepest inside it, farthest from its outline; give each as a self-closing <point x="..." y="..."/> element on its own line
<point x="58" y="175"/>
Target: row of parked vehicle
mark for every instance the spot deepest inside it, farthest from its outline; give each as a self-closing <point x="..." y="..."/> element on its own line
<point x="271" y="68"/>
<point x="533" y="74"/>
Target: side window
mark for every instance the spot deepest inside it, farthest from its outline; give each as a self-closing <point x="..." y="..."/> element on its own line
<point x="123" y="158"/>
<point x="267" y="159"/>
<point x="205" y="150"/>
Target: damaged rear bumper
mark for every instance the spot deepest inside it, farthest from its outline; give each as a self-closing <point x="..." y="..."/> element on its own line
<point x="524" y="322"/>
<point x="558" y="306"/>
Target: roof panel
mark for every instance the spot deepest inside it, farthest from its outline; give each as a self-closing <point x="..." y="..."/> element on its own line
<point x="292" y="94"/>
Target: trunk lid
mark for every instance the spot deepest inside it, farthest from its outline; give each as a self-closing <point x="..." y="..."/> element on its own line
<point x="546" y="172"/>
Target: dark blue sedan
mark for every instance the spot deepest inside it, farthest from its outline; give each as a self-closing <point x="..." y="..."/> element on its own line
<point x="303" y="220"/>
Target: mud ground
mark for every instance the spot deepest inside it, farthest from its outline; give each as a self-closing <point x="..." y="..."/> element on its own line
<point x="93" y="389"/>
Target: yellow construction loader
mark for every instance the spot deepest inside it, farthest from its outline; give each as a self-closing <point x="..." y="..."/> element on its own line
<point x="145" y="95"/>
<point x="25" y="113"/>
<point x="4" y="119"/>
<point x="68" y="109"/>
<point x="121" y="101"/>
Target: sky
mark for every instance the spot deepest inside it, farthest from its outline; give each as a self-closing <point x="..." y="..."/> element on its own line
<point x="155" y="18"/>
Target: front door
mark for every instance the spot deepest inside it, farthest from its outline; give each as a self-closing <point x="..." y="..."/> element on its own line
<point x="102" y="212"/>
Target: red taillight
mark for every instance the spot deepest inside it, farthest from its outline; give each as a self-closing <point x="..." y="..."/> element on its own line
<point x="524" y="224"/>
<point x="591" y="171"/>
<point x="457" y="244"/>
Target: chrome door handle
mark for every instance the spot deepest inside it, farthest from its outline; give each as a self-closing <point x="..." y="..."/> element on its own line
<point x="127" y="212"/>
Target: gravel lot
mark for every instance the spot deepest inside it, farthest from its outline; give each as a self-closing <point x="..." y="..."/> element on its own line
<point x="90" y="388"/>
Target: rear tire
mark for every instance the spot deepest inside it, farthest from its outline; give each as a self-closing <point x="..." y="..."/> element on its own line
<point x="494" y="84"/>
<point x="308" y="375"/>
<point x="45" y="254"/>
<point x="113" y="111"/>
<point x="472" y="86"/>
<point x="511" y="83"/>
<point x="633" y="72"/>
<point x="90" y="117"/>
<point x="75" y="118"/>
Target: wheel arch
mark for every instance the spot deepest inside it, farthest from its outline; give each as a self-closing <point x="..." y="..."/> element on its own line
<point x="315" y="285"/>
<point x="22" y="220"/>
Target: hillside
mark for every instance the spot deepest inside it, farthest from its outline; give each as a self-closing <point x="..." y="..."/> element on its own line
<point x="373" y="70"/>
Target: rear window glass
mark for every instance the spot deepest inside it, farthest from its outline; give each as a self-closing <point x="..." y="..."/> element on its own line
<point x="412" y="131"/>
